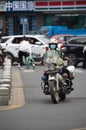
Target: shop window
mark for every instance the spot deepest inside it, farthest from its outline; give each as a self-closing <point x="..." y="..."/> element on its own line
<point x="69" y="21"/>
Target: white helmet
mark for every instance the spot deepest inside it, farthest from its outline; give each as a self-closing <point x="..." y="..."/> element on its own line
<point x="53" y="40"/>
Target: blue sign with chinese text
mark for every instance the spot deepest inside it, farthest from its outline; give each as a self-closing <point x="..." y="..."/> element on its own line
<point x="20" y="5"/>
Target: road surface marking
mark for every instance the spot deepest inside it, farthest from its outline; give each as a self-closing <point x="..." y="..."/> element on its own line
<point x="28" y="70"/>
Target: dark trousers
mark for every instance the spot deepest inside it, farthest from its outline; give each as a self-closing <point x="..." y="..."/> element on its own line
<point x="84" y="61"/>
<point x="21" y="55"/>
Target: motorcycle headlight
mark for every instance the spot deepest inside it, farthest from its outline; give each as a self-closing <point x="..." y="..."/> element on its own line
<point x="52" y="67"/>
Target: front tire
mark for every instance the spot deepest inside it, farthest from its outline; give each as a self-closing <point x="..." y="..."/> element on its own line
<point x="53" y="91"/>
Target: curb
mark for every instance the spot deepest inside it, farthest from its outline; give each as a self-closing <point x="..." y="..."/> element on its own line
<point x="16" y="94"/>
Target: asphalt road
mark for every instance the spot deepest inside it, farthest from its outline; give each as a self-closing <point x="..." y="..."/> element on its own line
<point x="30" y="109"/>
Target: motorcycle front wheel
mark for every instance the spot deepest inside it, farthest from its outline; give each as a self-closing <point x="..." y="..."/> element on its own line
<point x="53" y="91"/>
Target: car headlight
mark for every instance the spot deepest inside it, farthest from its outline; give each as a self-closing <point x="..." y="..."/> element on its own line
<point x="52" y="67"/>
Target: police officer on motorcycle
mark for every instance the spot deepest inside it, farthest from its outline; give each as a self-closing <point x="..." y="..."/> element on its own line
<point x="60" y="64"/>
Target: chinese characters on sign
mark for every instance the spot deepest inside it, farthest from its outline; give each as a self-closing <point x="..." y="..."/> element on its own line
<point x="20" y="5"/>
<point x="2" y="6"/>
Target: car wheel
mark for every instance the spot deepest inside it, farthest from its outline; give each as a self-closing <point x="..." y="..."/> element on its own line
<point x="72" y="59"/>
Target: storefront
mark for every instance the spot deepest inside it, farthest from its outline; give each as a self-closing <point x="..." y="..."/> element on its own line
<point x="24" y="16"/>
<point x="2" y="17"/>
<point x="71" y="13"/>
<point x="21" y="23"/>
<point x="70" y="20"/>
<point x="21" y="17"/>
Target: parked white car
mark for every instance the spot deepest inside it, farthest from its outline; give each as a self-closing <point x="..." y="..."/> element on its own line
<point x="11" y="45"/>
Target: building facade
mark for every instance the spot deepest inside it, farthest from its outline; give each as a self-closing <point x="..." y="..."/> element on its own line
<point x="24" y="16"/>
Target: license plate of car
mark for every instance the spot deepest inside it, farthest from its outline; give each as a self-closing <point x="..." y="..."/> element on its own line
<point x="37" y="55"/>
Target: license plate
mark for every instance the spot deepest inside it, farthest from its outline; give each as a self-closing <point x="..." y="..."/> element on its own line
<point x="37" y="55"/>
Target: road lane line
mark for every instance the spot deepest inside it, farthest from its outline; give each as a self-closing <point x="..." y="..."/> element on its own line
<point x="28" y="70"/>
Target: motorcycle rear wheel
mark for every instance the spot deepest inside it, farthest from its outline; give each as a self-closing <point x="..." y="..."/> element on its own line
<point x="53" y="92"/>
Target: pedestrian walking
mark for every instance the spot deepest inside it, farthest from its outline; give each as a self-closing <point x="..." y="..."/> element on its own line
<point x="24" y="49"/>
<point x="84" y="61"/>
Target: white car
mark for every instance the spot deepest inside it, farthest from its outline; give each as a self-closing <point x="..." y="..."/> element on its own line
<point x="11" y="45"/>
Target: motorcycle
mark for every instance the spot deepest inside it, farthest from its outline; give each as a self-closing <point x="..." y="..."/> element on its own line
<point x="53" y="83"/>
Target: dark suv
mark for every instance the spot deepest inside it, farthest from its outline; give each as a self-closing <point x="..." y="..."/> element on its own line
<point x="73" y="49"/>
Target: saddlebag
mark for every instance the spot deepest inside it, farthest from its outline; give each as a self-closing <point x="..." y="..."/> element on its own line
<point x="72" y="71"/>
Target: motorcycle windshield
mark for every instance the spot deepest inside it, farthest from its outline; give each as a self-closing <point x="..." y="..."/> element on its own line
<point x="51" y="56"/>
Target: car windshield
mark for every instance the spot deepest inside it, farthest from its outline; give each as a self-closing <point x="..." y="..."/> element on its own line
<point x="3" y="40"/>
<point x="45" y="39"/>
<point x="68" y="37"/>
